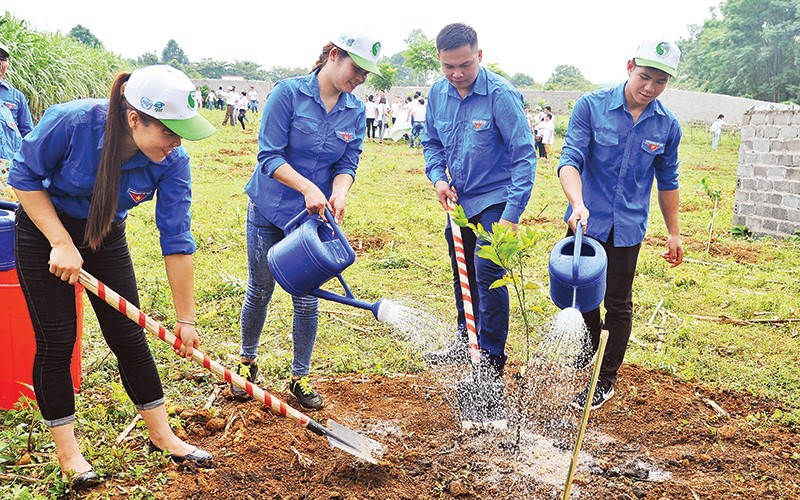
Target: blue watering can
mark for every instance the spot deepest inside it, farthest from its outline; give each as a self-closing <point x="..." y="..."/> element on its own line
<point x="313" y="252"/>
<point x="578" y="272"/>
<point x="7" y="261"/>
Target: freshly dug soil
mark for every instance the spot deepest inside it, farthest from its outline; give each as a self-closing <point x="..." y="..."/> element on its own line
<point x="658" y="438"/>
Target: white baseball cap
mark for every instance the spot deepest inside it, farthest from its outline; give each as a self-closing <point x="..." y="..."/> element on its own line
<point x="659" y="54"/>
<point x="167" y="94"/>
<point x="363" y="48"/>
<point x="4" y="48"/>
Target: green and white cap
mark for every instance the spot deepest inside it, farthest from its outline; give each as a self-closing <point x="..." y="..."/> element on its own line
<point x="4" y="48"/>
<point x="659" y="54"/>
<point x="167" y="94"/>
<point x="363" y="48"/>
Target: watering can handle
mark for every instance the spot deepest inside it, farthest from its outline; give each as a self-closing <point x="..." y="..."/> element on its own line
<point x="8" y="205"/>
<point x="576" y="254"/>
<point x="292" y="224"/>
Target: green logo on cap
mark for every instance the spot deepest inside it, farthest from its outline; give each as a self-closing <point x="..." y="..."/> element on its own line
<point x="376" y="49"/>
<point x="191" y="101"/>
<point x="662" y="49"/>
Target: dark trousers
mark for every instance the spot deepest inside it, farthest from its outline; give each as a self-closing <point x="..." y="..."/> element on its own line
<point x="370" y="128"/>
<point x="51" y="303"/>
<point x="618" y="302"/>
<point x="490" y="306"/>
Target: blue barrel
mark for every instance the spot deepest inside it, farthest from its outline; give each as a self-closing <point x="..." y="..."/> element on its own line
<point x="7" y="261"/>
<point x="578" y="273"/>
<point x="312" y="252"/>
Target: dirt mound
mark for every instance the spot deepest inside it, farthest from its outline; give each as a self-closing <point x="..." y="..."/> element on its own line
<point x="657" y="438"/>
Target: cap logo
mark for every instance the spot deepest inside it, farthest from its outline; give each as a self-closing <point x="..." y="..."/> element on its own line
<point x="376" y="49"/>
<point x="145" y="103"/>
<point x="190" y="100"/>
<point x="347" y="41"/>
<point x="662" y="49"/>
<point x="159" y="107"/>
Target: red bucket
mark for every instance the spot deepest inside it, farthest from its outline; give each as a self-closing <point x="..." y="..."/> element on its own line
<point x="18" y="344"/>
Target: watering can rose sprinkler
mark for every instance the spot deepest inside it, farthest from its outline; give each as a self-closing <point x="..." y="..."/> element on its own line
<point x="313" y="252"/>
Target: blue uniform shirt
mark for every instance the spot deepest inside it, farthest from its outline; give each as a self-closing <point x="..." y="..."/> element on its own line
<point x="16" y="102"/>
<point x="296" y="129"/>
<point x="62" y="156"/>
<point x="10" y="138"/>
<point x="484" y="143"/>
<point x="618" y="160"/>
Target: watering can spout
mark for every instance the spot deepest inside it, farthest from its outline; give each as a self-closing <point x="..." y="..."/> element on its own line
<point x="382" y="310"/>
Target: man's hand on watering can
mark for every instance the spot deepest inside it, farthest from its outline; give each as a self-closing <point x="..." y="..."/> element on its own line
<point x="674" y="253"/>
<point x="579" y="212"/>
<point x="445" y="192"/>
<point x="189" y="339"/>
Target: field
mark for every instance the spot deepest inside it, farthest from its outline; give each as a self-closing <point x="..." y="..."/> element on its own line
<point x="707" y="405"/>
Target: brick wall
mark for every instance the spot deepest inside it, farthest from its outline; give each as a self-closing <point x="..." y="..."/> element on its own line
<point x="768" y="177"/>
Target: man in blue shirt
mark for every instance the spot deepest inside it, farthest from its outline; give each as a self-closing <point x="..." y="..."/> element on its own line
<point x="12" y="98"/>
<point x="618" y="140"/>
<point x="479" y="153"/>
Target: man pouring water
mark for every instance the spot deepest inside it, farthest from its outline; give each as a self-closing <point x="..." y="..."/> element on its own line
<point x="618" y="140"/>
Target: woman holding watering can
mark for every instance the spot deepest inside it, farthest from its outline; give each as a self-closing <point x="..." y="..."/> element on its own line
<point x="312" y="131"/>
<point x="76" y="176"/>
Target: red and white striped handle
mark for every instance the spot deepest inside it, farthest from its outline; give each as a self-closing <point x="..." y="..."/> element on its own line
<point x="466" y="296"/>
<point x="276" y="406"/>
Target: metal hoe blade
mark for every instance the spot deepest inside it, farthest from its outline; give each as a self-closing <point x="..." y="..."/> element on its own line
<point x="352" y="442"/>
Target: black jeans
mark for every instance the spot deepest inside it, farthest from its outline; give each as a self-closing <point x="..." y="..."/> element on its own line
<point x="51" y="303"/>
<point x="618" y="302"/>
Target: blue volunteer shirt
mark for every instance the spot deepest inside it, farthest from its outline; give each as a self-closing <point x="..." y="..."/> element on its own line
<point x="10" y="138"/>
<point x="618" y="161"/>
<point x="296" y="129"/>
<point x="62" y="156"/>
<point x="481" y="144"/>
<point x="16" y="102"/>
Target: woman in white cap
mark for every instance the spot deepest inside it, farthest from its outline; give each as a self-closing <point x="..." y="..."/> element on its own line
<point x="312" y="132"/>
<point x="77" y="174"/>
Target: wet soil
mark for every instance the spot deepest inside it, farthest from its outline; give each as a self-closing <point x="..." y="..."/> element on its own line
<point x="658" y="437"/>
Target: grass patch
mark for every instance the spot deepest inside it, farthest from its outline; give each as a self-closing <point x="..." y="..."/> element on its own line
<point x="396" y="226"/>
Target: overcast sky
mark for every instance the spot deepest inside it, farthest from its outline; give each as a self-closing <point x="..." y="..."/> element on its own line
<point x="521" y="36"/>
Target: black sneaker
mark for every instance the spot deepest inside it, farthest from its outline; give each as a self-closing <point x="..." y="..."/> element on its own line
<point x="248" y="370"/>
<point x="456" y="353"/>
<point x="585" y="356"/>
<point x="602" y="393"/>
<point x="305" y="394"/>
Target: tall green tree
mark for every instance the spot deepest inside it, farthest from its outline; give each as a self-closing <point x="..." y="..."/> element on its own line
<point x="387" y="78"/>
<point x="146" y="59"/>
<point x="85" y="36"/>
<point x="421" y="55"/>
<point x="567" y="77"/>
<point x="494" y="67"/>
<point x="750" y="49"/>
<point x="174" y="55"/>
<point x="522" y="81"/>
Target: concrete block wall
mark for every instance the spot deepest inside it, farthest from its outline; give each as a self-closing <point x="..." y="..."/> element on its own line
<point x="767" y="198"/>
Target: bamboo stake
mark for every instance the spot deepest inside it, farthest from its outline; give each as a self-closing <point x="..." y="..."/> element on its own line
<point x="573" y="464"/>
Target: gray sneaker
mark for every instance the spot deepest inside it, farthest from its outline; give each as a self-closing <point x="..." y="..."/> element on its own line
<point x="305" y="394"/>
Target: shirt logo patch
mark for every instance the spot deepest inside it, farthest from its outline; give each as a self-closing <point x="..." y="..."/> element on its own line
<point x="10" y="105"/>
<point x="346" y="136"/>
<point x="11" y="124"/>
<point x="479" y="124"/>
<point x="654" y="146"/>
<point x="138" y="196"/>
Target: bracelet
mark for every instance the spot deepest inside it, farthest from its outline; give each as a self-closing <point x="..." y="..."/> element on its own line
<point x="187" y="322"/>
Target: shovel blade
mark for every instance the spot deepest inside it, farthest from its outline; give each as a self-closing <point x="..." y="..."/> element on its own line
<point x="353" y="443"/>
<point x="482" y="404"/>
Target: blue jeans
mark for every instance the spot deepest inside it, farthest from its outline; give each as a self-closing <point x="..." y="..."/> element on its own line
<point x="490" y="306"/>
<point x="715" y="140"/>
<point x="261" y="236"/>
<point x="416" y="131"/>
